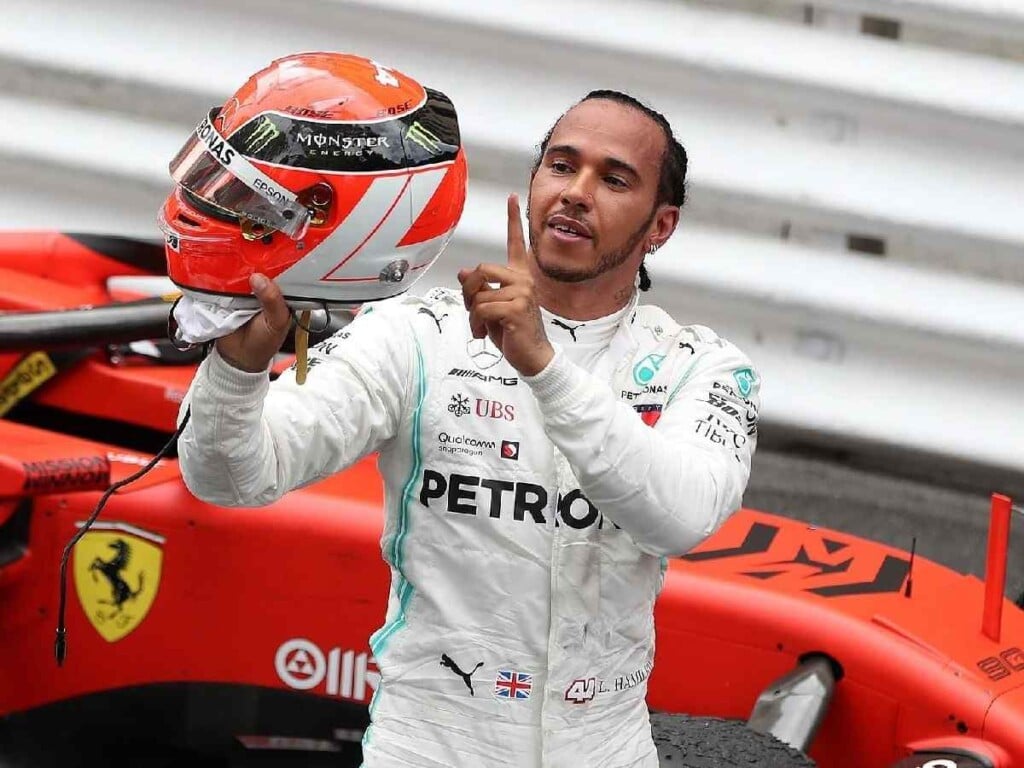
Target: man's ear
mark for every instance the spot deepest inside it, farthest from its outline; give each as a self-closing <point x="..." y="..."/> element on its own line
<point x="666" y="218"/>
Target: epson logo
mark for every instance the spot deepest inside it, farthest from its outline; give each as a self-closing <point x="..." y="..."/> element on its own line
<point x="268" y="190"/>
<point x="508" y="381"/>
<point x="470" y="495"/>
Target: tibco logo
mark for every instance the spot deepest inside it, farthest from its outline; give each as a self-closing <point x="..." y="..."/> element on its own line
<point x="303" y="666"/>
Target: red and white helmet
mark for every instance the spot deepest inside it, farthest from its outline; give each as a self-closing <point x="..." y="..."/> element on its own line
<point x="338" y="177"/>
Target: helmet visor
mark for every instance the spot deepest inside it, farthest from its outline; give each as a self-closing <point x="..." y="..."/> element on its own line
<point x="213" y="170"/>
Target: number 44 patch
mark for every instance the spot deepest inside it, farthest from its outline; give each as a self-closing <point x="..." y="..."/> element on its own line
<point x="581" y="691"/>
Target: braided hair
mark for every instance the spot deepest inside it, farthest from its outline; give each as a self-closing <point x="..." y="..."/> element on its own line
<point x="672" y="179"/>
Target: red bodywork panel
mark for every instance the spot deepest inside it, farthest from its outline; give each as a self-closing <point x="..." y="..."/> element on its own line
<point x="237" y="584"/>
<point x="234" y="585"/>
<point x="771" y="590"/>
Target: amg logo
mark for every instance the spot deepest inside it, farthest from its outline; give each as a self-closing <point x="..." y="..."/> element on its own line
<point x="508" y="381"/>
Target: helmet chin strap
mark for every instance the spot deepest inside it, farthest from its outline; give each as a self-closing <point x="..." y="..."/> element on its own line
<point x="302" y="347"/>
<point x="302" y="332"/>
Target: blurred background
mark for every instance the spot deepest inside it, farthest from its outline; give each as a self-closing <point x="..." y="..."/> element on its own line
<point x="856" y="211"/>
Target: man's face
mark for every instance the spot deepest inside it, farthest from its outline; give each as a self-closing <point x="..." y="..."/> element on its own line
<point x="591" y="206"/>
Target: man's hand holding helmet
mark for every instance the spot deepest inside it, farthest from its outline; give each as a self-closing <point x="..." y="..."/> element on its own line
<point x="253" y="346"/>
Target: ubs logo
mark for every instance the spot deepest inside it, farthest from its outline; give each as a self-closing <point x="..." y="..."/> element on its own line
<point x="493" y="409"/>
<point x="484" y="408"/>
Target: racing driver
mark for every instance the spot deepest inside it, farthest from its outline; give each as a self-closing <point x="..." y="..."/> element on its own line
<point x="546" y="442"/>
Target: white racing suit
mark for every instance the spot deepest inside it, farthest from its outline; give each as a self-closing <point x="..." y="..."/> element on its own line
<point x="528" y="519"/>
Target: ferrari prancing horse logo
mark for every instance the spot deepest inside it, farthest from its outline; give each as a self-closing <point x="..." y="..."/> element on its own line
<point x="117" y="573"/>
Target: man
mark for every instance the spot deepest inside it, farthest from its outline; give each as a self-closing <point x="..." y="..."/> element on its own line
<point x="545" y="444"/>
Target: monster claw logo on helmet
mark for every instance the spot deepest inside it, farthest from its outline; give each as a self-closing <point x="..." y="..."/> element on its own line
<point x="337" y="176"/>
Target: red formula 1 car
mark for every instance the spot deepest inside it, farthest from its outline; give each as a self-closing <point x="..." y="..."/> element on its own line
<point x="208" y="631"/>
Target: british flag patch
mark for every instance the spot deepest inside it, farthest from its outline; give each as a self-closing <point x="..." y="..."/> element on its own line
<point x="512" y="685"/>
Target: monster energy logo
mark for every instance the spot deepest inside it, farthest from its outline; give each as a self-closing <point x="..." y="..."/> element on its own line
<point x="265" y="133"/>
<point x="417" y="134"/>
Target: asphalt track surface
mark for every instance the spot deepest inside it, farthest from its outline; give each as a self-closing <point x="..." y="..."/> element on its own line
<point x="946" y="507"/>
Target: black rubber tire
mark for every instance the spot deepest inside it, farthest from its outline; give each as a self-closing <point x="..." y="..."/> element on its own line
<point x="710" y="742"/>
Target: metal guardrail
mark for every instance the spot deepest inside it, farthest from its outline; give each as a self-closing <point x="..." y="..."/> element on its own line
<point x="999" y="19"/>
<point x="883" y="197"/>
<point x="799" y="140"/>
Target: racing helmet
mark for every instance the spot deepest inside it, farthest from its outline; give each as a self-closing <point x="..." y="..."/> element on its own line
<point x="338" y="177"/>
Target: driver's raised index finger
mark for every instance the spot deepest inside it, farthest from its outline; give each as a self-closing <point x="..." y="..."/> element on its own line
<point x="516" y="241"/>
